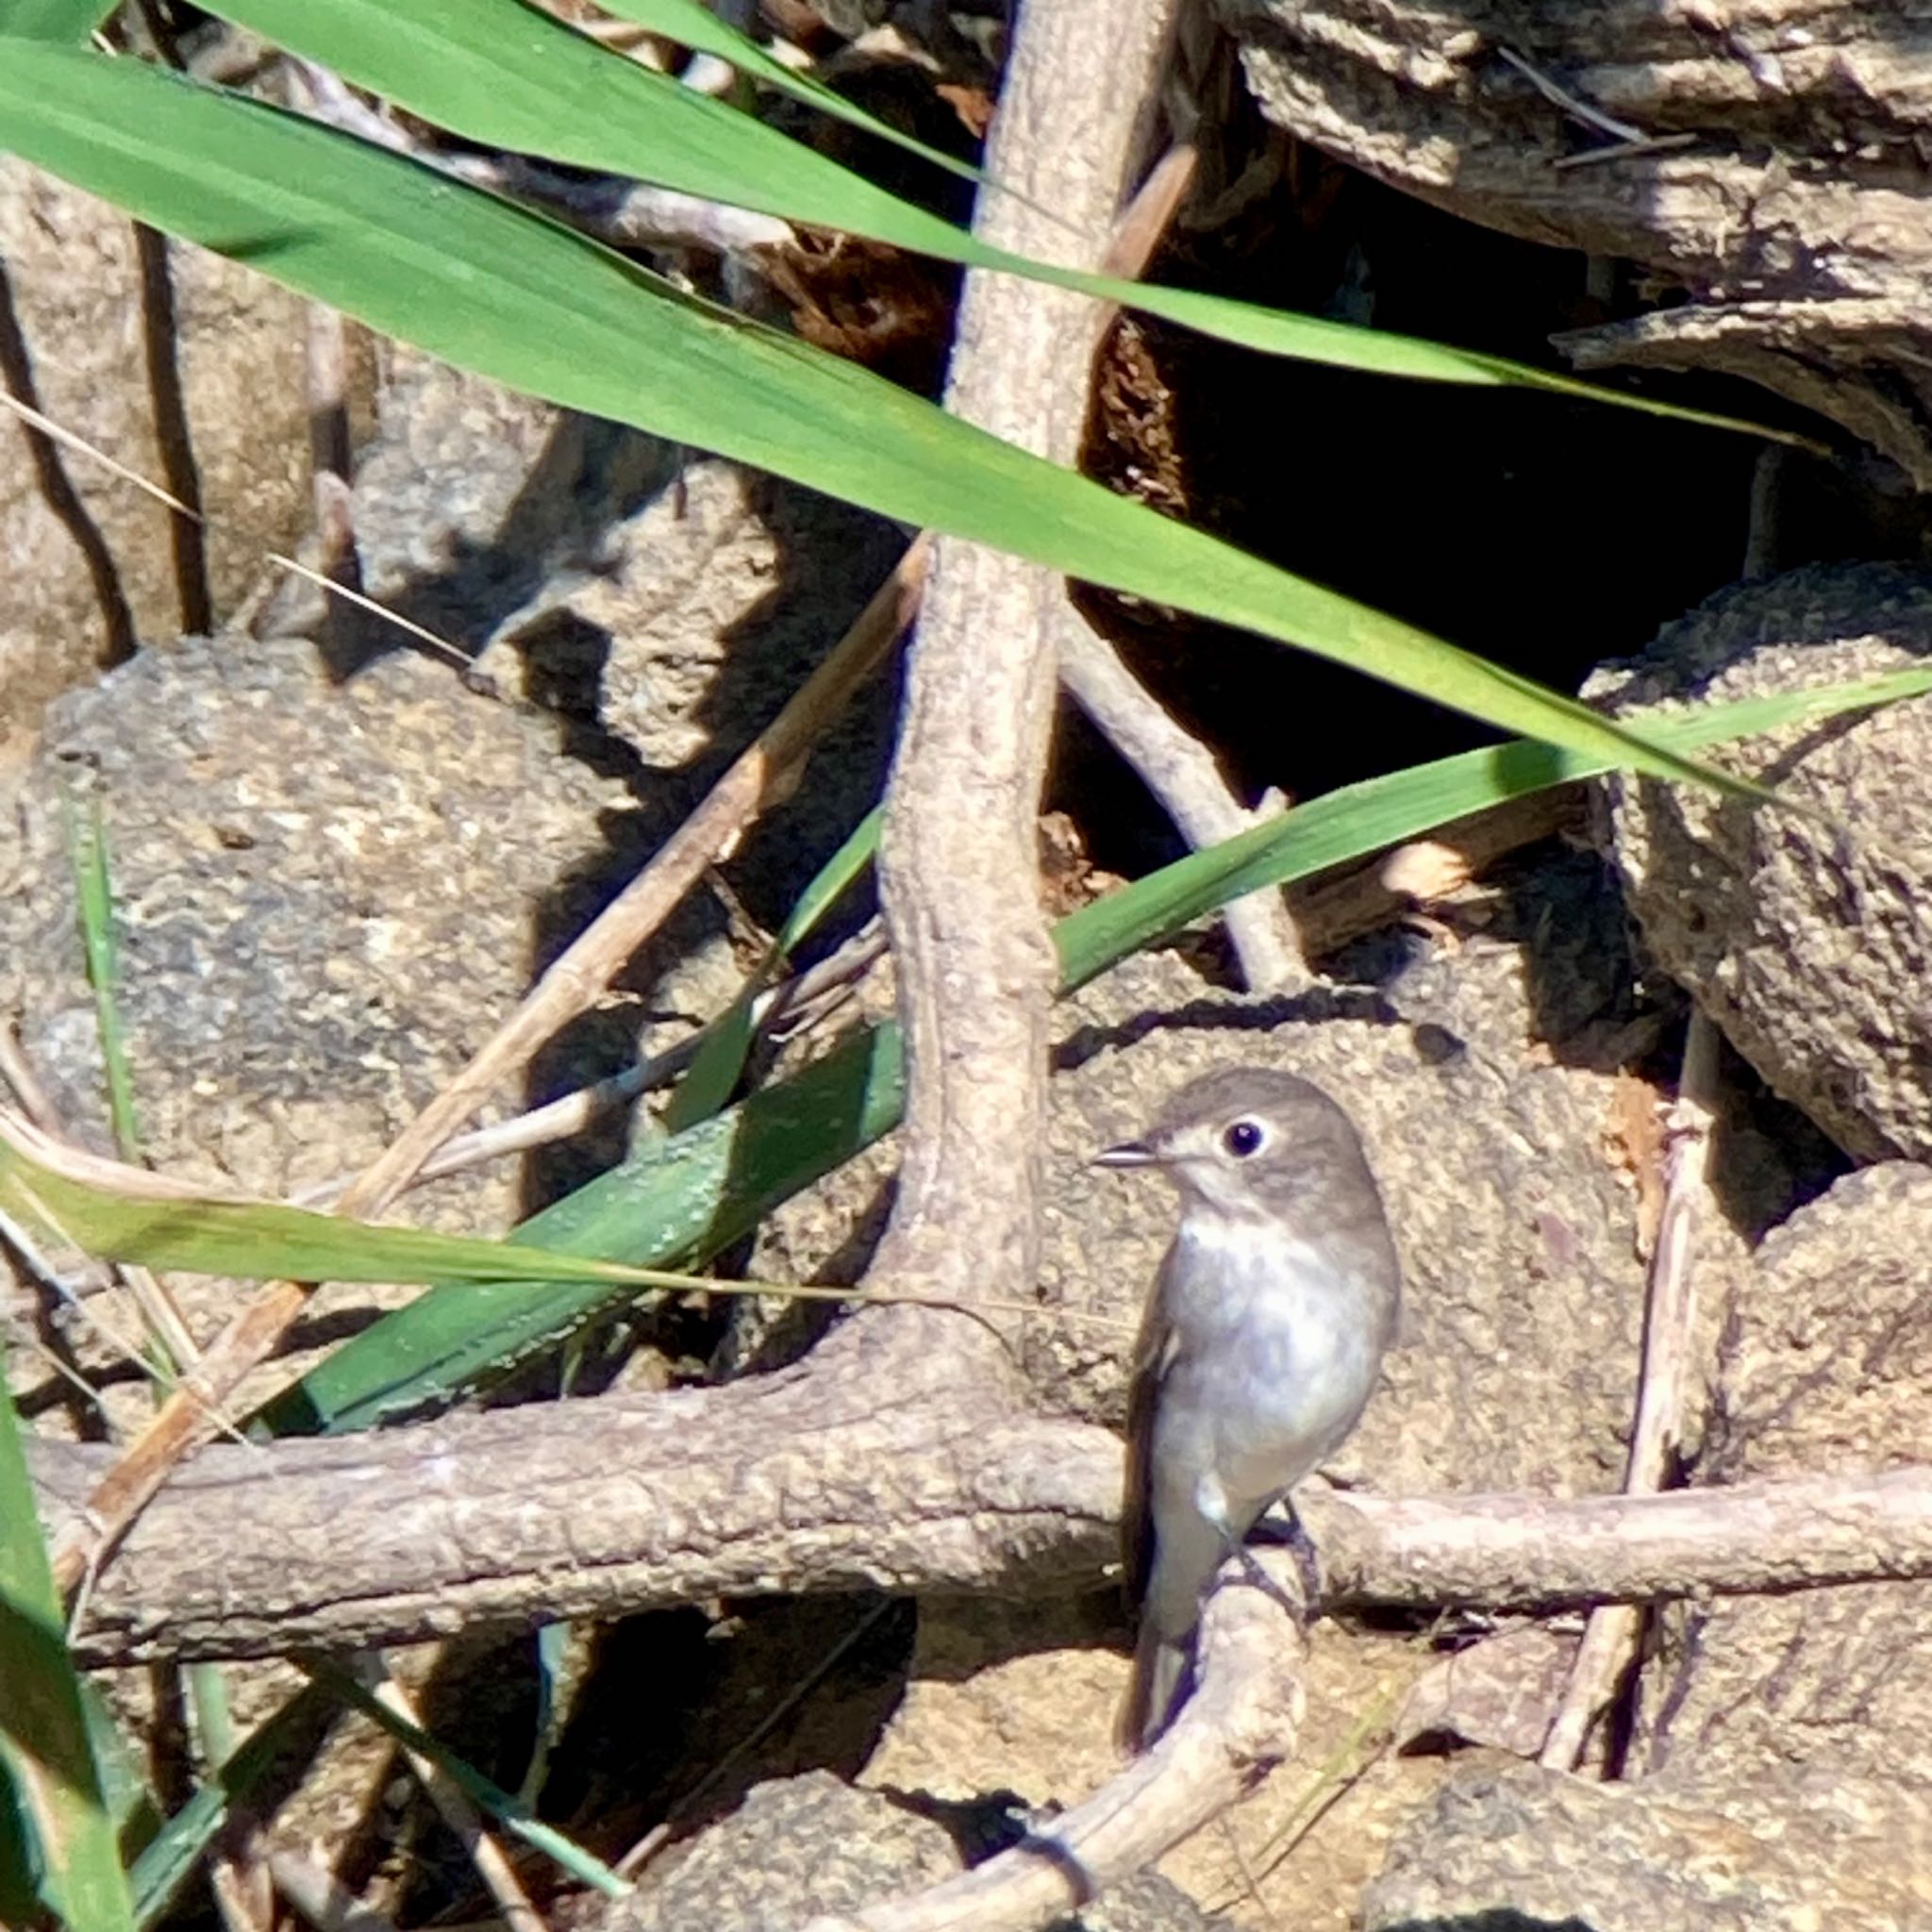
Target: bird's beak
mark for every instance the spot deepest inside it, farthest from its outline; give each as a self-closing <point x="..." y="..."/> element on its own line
<point x="1128" y="1153"/>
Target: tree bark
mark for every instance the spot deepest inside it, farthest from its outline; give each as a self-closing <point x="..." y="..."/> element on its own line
<point x="1794" y="209"/>
<point x="892" y="1475"/>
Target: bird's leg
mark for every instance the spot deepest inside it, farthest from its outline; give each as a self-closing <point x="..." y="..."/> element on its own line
<point x="1234" y="1549"/>
<point x="1308" y="1562"/>
<point x="1301" y="1610"/>
<point x="1307" y="1558"/>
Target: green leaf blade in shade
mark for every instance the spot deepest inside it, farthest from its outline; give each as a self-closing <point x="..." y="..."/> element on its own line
<point x="685" y="1198"/>
<point x="167" y="1861"/>
<point x="93" y="895"/>
<point x="510" y="1811"/>
<point x="525" y="301"/>
<point x="500" y="75"/>
<point x="58" y="1795"/>
<point x="714" y="1074"/>
<point x="698" y="1192"/>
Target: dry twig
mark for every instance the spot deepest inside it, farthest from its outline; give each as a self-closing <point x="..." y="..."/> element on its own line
<point x="1613" y="1632"/>
<point x="791" y="1005"/>
<point x="974" y="962"/>
<point x="456" y="1809"/>
<point x="761" y="777"/>
<point x="1176" y="768"/>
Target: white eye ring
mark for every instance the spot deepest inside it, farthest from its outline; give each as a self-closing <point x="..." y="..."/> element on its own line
<point x="1244" y="1138"/>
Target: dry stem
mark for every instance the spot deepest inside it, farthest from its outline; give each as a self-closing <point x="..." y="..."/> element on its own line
<point x="1176" y="768"/>
<point x="1612" y="1633"/>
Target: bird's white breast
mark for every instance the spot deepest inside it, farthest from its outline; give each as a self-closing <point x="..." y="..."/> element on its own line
<point x="1272" y="1342"/>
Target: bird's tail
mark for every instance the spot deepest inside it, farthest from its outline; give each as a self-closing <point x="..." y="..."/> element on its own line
<point x="1160" y="1668"/>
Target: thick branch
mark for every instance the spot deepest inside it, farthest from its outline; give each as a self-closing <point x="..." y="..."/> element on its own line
<point x="1242" y="1720"/>
<point x="958" y="863"/>
<point x="842" y="1477"/>
<point x="1181" y="773"/>
<point x="888" y="1464"/>
<point x="1747" y="1541"/>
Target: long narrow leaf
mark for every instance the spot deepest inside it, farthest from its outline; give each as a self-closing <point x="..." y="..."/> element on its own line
<point x="93" y="897"/>
<point x="1357" y="819"/>
<point x="169" y="1858"/>
<point x="709" y="1082"/>
<point x="501" y="74"/>
<point x="45" y="1752"/>
<point x="514" y="297"/>
<point x="126" y="1214"/>
<point x="695" y="25"/>
<point x="687" y="1197"/>
<point x="508" y="1810"/>
<point x="694" y="1193"/>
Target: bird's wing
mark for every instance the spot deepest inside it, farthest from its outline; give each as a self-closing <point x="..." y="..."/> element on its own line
<point x="1157" y="1662"/>
<point x="1154" y="1353"/>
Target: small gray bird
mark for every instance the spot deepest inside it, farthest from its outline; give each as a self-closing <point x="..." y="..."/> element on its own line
<point x="1259" y="1347"/>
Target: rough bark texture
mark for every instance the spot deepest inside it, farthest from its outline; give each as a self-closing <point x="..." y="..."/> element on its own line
<point x="868" y="1470"/>
<point x="810" y="1843"/>
<point x="1794" y="219"/>
<point x="958" y="863"/>
<point x="805" y="1481"/>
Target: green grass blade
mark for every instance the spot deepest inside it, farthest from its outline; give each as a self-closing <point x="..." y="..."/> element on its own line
<point x="207" y="1235"/>
<point x="59" y="1795"/>
<point x="20" y="1902"/>
<point x="171" y="1855"/>
<point x="503" y="76"/>
<point x="688" y="1196"/>
<point x="831" y="882"/>
<point x="94" y="903"/>
<point x="1362" y="818"/>
<point x="695" y="25"/>
<point x="507" y="1810"/>
<point x="514" y="297"/>
<point x="553" y="1644"/>
<point x="711" y="1077"/>
<point x="694" y="1193"/>
<point x="685" y="1197"/>
<point x="86" y="846"/>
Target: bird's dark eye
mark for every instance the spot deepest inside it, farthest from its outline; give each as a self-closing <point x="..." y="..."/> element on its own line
<point x="1244" y="1138"/>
